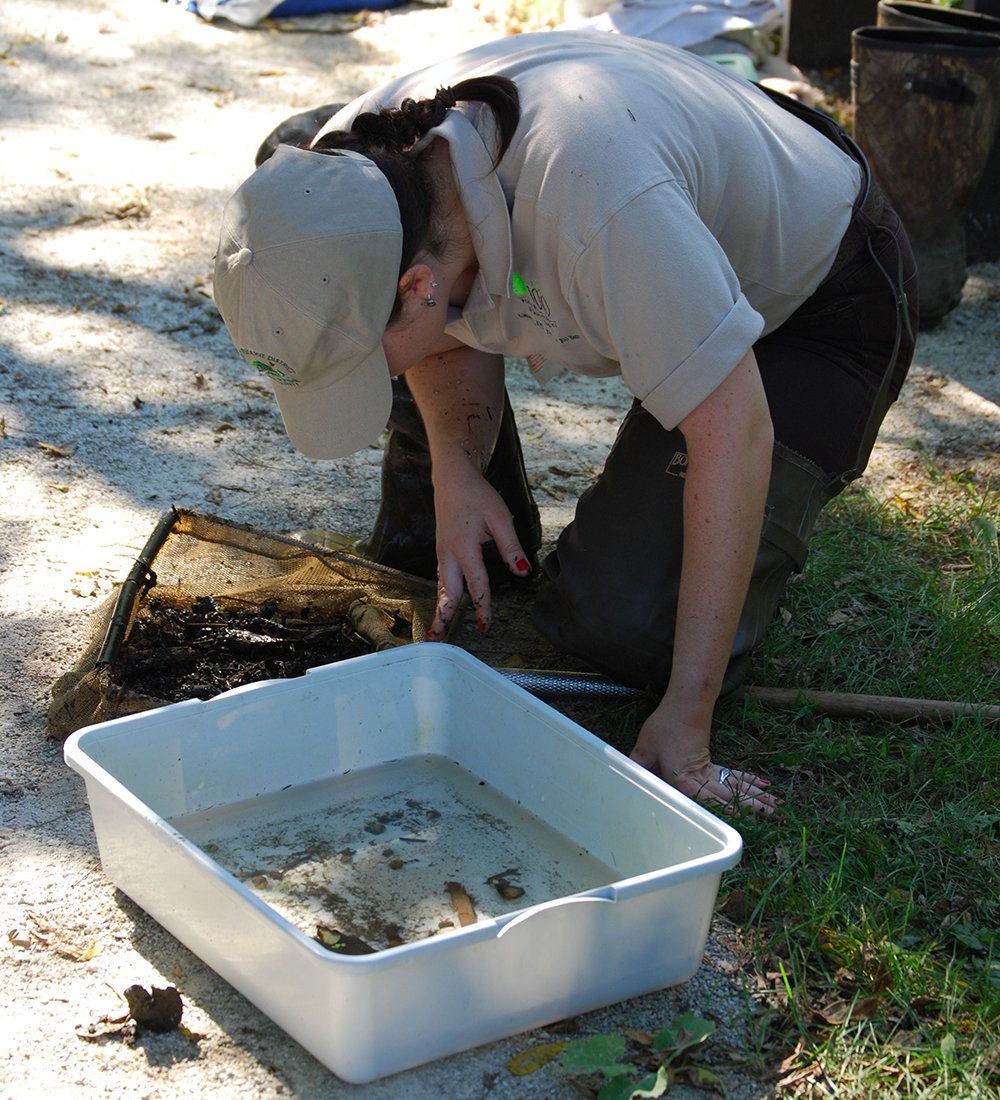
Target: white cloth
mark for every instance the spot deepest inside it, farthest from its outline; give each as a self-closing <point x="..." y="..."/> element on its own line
<point x="244" y="13"/>
<point x="675" y="22"/>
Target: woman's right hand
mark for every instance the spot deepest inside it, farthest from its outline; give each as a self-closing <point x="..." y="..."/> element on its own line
<point x="470" y="512"/>
<point x="460" y="394"/>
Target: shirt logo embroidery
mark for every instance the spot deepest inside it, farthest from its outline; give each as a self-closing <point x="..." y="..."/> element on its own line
<point x="537" y="309"/>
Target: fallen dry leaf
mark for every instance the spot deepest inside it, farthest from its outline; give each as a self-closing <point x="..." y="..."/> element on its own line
<point x="838" y="1012"/>
<point x="158" y="1010"/>
<point x="532" y="1059"/>
<point x="52" y="449"/>
<point x="21" y="937"/>
<point x="105" y="1028"/>
<point x="735" y="907"/>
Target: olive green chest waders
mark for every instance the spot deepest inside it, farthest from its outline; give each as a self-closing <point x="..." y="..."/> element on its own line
<point x="609" y="590"/>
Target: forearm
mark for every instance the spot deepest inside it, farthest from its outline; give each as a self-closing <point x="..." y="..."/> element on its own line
<point x="460" y="394"/>
<point x="724" y="498"/>
<point x="730" y="441"/>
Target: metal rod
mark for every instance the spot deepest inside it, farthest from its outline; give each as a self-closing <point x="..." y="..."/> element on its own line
<point x="568" y="685"/>
<point x="580" y="685"/>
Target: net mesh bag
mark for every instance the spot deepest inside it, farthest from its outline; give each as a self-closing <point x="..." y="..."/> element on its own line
<point x="210" y="605"/>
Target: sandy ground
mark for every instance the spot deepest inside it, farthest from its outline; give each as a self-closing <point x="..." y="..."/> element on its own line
<point x="125" y="127"/>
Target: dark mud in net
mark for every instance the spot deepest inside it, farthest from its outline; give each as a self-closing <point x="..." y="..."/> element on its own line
<point x="211" y="605"/>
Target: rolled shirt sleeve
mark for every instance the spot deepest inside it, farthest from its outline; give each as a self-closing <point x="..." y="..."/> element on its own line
<point x="655" y="292"/>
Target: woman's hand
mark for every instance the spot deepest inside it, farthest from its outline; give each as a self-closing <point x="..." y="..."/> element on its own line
<point x="729" y="441"/>
<point x="470" y="512"/>
<point x="460" y="394"/>
<point x="681" y="758"/>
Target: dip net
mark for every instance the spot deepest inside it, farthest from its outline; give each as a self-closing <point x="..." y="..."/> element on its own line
<point x="211" y="605"/>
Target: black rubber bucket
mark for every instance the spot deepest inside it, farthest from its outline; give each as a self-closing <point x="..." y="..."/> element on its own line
<point x="982" y="218"/>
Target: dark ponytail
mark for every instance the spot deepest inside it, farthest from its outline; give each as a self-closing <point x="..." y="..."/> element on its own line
<point x="387" y="136"/>
<point x="397" y="129"/>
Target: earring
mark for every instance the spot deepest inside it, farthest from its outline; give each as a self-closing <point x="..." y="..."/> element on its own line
<point x="430" y="302"/>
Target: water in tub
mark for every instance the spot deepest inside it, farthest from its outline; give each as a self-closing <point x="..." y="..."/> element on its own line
<point x="393" y="854"/>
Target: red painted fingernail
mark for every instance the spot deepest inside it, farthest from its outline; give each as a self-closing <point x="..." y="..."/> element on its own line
<point x="480" y="624"/>
<point x="522" y="565"/>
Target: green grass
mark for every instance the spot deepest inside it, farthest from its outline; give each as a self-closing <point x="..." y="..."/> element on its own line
<point x="871" y="908"/>
<point x="876" y="897"/>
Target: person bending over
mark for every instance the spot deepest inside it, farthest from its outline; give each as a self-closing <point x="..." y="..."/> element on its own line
<point x="604" y="206"/>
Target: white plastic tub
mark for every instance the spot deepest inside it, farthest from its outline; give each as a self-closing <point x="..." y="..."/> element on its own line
<point x="241" y="822"/>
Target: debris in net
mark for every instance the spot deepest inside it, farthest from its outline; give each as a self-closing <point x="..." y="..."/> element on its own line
<point x="197" y="652"/>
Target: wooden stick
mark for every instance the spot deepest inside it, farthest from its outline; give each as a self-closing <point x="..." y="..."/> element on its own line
<point x="846" y="705"/>
<point x="581" y="685"/>
<point x="462" y="903"/>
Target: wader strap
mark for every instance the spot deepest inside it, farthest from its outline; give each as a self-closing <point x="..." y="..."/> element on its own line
<point x="868" y="207"/>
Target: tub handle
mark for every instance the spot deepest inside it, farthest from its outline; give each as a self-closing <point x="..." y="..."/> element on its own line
<point x="588" y="899"/>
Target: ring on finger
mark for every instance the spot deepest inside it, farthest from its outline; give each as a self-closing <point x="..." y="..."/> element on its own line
<point x="724" y="774"/>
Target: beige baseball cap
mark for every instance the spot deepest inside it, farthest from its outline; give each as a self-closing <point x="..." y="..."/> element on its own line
<point x="305" y="280"/>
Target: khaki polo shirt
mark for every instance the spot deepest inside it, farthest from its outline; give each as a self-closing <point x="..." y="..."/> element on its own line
<point x="653" y="216"/>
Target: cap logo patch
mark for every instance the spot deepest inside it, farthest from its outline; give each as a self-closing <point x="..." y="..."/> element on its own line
<point x="276" y="369"/>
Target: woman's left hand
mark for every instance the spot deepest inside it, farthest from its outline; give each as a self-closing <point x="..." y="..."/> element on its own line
<point x="676" y="756"/>
<point x="729" y="440"/>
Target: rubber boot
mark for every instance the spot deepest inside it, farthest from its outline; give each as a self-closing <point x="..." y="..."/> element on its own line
<point x="403" y="536"/>
<point x="609" y="589"/>
<point x="297" y="129"/>
<point x="926" y="111"/>
<point x="920" y="15"/>
<point x="982" y="218"/>
<point x="796" y="494"/>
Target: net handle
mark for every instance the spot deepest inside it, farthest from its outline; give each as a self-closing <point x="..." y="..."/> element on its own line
<point x="139" y="580"/>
